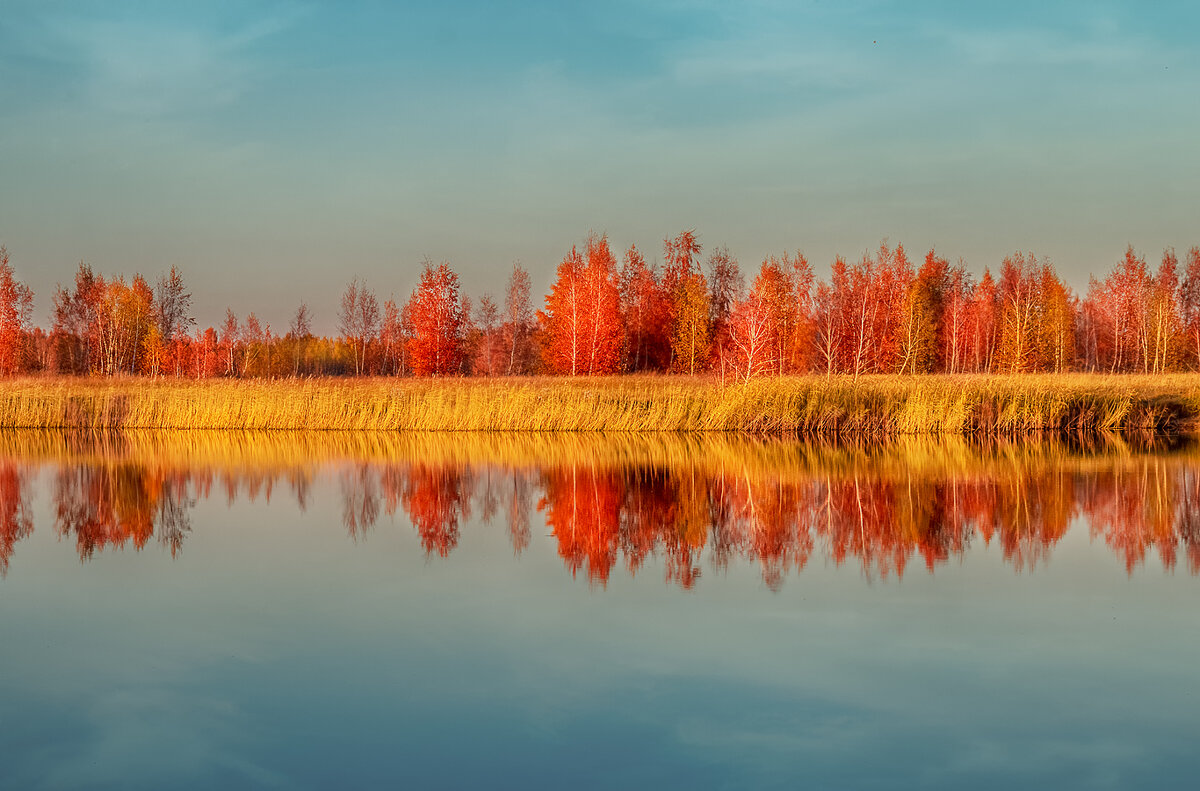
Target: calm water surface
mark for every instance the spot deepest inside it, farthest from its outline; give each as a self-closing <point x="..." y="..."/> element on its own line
<point x="497" y="611"/>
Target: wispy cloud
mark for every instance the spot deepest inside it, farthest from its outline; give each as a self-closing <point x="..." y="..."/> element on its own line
<point x="158" y="65"/>
<point x="1096" y="47"/>
<point x="771" y="64"/>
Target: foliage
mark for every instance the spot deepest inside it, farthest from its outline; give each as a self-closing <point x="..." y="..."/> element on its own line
<point x="582" y="320"/>
<point x="876" y="315"/>
<point x="436" y="309"/>
<point x="16" y="309"/>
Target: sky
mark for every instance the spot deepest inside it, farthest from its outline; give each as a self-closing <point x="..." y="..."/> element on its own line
<point x="272" y="151"/>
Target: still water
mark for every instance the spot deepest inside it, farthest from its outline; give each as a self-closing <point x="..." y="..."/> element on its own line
<point x="367" y="611"/>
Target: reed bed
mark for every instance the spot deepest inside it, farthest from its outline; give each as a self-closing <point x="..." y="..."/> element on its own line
<point x="870" y="406"/>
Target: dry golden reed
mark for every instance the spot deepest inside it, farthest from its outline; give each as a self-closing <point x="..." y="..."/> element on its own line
<point x="811" y="405"/>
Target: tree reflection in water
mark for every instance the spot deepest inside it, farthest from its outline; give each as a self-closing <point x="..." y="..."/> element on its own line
<point x="111" y="506"/>
<point x="16" y="521"/>
<point x="620" y="502"/>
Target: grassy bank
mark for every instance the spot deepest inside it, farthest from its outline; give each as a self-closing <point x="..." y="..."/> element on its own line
<point x="872" y="406"/>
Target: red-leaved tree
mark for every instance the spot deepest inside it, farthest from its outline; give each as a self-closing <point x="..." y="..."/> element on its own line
<point x="582" y="319"/>
<point x="16" y="307"/>
<point x="436" y="345"/>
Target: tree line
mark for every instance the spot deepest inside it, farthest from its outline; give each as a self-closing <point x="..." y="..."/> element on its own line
<point x="610" y="314"/>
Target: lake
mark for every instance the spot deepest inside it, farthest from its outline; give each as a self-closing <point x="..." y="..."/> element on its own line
<point x="198" y="610"/>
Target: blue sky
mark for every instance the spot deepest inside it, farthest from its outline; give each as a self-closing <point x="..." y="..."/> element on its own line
<point x="274" y="150"/>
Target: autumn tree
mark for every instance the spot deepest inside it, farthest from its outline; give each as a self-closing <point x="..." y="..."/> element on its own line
<point x="600" y="281"/>
<point x="254" y="340"/>
<point x="690" y="340"/>
<point x="921" y="317"/>
<point x="983" y="324"/>
<point x="799" y="342"/>
<point x="392" y="339"/>
<point x="470" y="337"/>
<point x="582" y="317"/>
<point x="206" y="357"/>
<point x="1127" y="286"/>
<point x="518" y="322"/>
<point x="74" y="326"/>
<point x="231" y="342"/>
<point x="783" y="287"/>
<point x="1165" y="326"/>
<point x="955" y="335"/>
<point x="1017" y="301"/>
<point x="16" y="309"/>
<point x="827" y="324"/>
<point x="436" y="344"/>
<point x="1134" y="320"/>
<point x="686" y="290"/>
<point x="681" y="257"/>
<point x="861" y="302"/>
<point x="1055" y="327"/>
<point x="1036" y="317"/>
<point x="725" y="287"/>
<point x="172" y="309"/>
<point x="643" y="310"/>
<point x="141" y="321"/>
<point x="103" y="326"/>
<point x="156" y="354"/>
<point x="489" y="354"/>
<point x="891" y="276"/>
<point x="358" y="321"/>
<point x="565" y="316"/>
<point x="1189" y="302"/>
<point x="119" y="316"/>
<point x="299" y="334"/>
<point x="750" y="347"/>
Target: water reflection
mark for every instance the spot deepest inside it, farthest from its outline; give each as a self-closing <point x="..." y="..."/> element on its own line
<point x="16" y="521"/>
<point x="696" y="503"/>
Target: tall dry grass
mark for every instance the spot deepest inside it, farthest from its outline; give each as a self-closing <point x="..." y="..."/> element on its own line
<point x="870" y="406"/>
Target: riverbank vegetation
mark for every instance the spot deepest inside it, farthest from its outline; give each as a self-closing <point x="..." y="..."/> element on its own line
<point x="609" y="312"/>
<point x="869" y="405"/>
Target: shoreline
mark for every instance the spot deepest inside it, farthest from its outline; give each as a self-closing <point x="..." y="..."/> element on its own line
<point x="871" y="406"/>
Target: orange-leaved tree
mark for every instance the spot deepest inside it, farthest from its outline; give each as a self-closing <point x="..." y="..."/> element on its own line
<point x="1036" y="317"/>
<point x="685" y="290"/>
<point x="172" y="305"/>
<point x="643" y="311"/>
<point x="436" y="345"/>
<point x="920" y="323"/>
<point x="724" y="291"/>
<point x="582" y="319"/>
<point x="690" y="339"/>
<point x="16" y="307"/>
<point x="1189" y="300"/>
<point x="783" y="287"/>
<point x="750" y="349"/>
